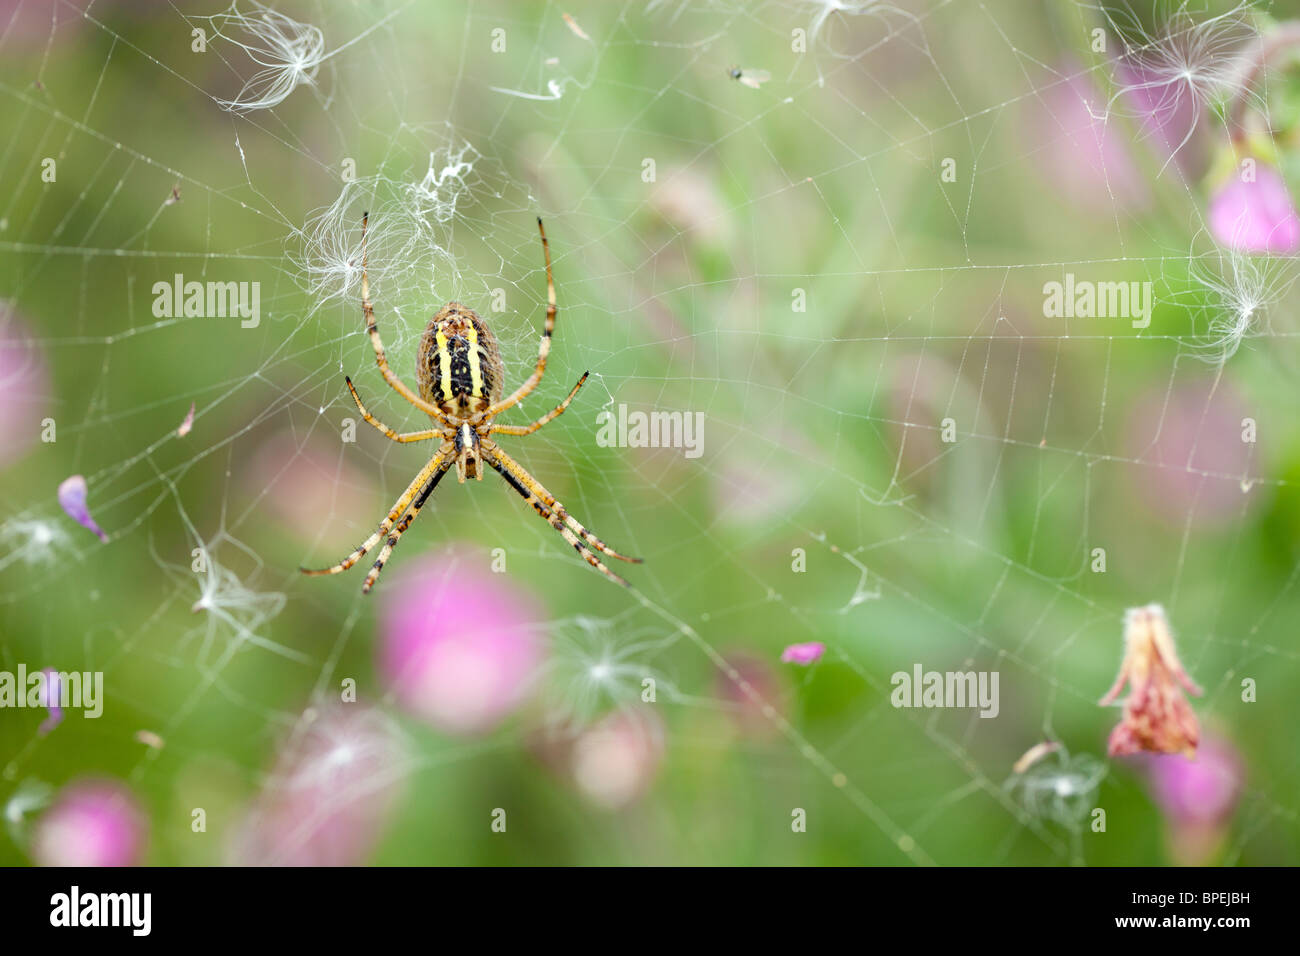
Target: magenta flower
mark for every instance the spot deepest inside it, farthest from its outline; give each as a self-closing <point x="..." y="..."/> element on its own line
<point x="1200" y="790"/>
<point x="1255" y="214"/>
<point x="458" y="644"/>
<point x="91" y="823"/>
<point x="803" y="653"/>
<point x="1197" y="796"/>
<point x="72" y="498"/>
<point x="336" y="783"/>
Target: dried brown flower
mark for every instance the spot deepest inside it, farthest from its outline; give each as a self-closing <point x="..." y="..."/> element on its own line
<point x="1157" y="717"/>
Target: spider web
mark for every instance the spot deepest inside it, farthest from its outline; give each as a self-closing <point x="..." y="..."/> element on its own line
<point x="789" y="261"/>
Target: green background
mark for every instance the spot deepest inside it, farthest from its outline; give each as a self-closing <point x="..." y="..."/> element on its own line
<point x="924" y="302"/>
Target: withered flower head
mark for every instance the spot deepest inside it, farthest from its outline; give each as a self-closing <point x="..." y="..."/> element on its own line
<point x="1157" y="717"/>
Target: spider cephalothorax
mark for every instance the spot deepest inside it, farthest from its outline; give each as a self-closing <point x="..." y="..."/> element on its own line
<point x="461" y="382"/>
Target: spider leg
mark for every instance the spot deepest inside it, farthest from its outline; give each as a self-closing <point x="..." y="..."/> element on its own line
<point x="553" y="413"/>
<point x="377" y="343"/>
<point x="535" y="487"/>
<point x="544" y="349"/>
<point x="544" y="504"/>
<point x="442" y="456"/>
<point x="396" y="436"/>
<point x="554" y="522"/>
<point x="402" y="525"/>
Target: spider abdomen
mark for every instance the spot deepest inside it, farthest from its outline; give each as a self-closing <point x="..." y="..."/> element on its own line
<point x="458" y="366"/>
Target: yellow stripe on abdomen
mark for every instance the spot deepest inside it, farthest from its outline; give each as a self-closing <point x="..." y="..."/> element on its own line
<point x="444" y="365"/>
<point x="475" y="366"/>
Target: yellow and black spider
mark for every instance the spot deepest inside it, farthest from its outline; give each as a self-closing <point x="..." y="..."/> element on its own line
<point x="461" y="380"/>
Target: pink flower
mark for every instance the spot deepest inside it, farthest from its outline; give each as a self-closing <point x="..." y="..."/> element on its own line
<point x="748" y="490"/>
<point x="615" y="762"/>
<point x="24" y="378"/>
<point x="1157" y="717"/>
<point x="1256" y="214"/>
<point x="1189" y="435"/>
<point x="296" y="480"/>
<point x="458" y="644"/>
<point x="29" y="27"/>
<point x="803" y="653"/>
<point x="72" y="498"/>
<point x="1088" y="157"/>
<point x="336" y="782"/>
<point x="1203" y="790"/>
<point x="1198" y="797"/>
<point x="1168" y="110"/>
<point x="91" y="823"/>
<point x="753" y="690"/>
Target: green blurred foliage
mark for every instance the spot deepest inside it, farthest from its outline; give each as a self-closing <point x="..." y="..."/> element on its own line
<point x="924" y="301"/>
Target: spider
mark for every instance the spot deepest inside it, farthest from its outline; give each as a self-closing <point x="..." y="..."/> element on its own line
<point x="461" y="381"/>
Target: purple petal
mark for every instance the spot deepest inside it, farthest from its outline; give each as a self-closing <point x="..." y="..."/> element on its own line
<point x="50" y="699"/>
<point x="72" y="497"/>
<point x="803" y="653"/>
<point x="1256" y="216"/>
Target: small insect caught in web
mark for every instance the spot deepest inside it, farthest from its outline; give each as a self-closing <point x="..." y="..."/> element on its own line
<point x="1034" y="754"/>
<point x="187" y="424"/>
<point x="751" y="78"/>
<point x="577" y="30"/>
